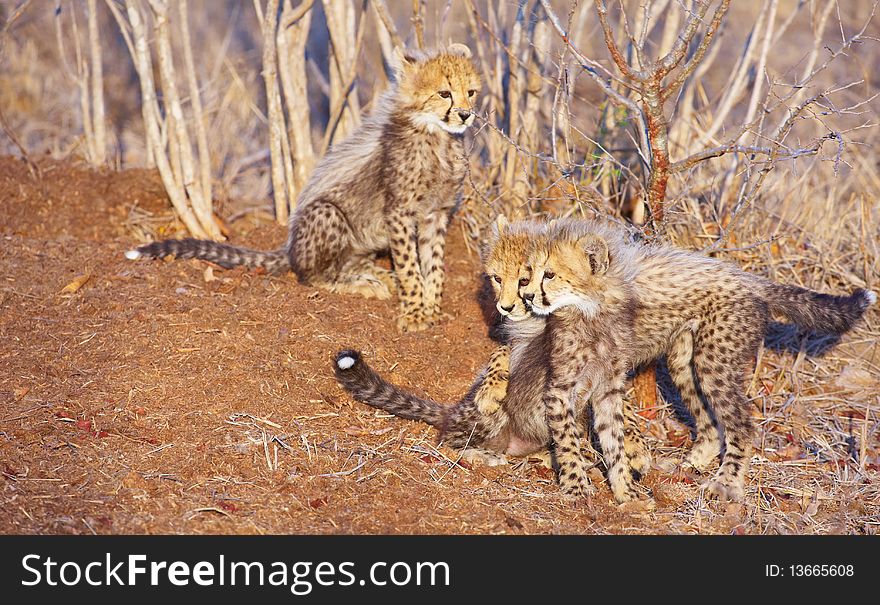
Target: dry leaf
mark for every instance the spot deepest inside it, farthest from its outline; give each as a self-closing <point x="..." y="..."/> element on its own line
<point x="228" y="506"/>
<point x="76" y="284"/>
<point x="543" y="472"/>
<point x="209" y="275"/>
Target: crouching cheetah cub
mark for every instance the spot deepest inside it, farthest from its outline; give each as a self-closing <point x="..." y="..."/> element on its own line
<point x="502" y="413"/>
<point x="390" y="186"/>
<point x="613" y="304"/>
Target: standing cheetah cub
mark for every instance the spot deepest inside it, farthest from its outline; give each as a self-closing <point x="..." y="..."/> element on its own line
<point x="392" y="185"/>
<point x="614" y="304"/>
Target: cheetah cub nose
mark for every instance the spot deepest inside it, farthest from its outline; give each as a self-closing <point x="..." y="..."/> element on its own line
<point x="464" y="115"/>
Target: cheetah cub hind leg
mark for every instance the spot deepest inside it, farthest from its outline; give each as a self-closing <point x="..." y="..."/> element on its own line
<point x="364" y="285"/>
<point x="634" y="442"/>
<point x="493" y="387"/>
<point x="360" y="276"/>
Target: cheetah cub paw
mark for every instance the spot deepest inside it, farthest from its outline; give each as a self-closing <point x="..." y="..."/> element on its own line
<point x="414" y="321"/>
<point x="722" y="491"/>
<point x="489" y="396"/>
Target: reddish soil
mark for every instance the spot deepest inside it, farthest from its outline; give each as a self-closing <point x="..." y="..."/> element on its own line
<point x="180" y="398"/>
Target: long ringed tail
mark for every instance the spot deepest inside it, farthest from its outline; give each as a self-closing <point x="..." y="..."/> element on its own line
<point x="275" y="261"/>
<point x="816" y="311"/>
<point x="366" y="386"/>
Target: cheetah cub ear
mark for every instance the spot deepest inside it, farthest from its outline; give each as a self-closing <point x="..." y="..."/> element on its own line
<point x="596" y="250"/>
<point x="459" y="49"/>
<point x="402" y="61"/>
<point x="498" y="227"/>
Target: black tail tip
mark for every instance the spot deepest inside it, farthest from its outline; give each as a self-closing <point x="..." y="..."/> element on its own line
<point x="346" y="360"/>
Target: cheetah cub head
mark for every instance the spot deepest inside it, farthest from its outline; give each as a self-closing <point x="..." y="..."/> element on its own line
<point x="438" y="88"/>
<point x="568" y="269"/>
<point x="504" y="261"/>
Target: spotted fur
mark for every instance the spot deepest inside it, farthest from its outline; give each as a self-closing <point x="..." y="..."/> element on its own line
<point x="615" y="304"/>
<point x="391" y="186"/>
<point x="503" y="411"/>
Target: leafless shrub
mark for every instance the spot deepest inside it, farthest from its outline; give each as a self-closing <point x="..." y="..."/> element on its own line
<point x="86" y="72"/>
<point x="167" y="127"/>
<point x="682" y="108"/>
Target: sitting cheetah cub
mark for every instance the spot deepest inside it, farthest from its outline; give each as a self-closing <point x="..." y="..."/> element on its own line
<point x="502" y="413"/>
<point x="613" y="304"/>
<point x="392" y="185"/>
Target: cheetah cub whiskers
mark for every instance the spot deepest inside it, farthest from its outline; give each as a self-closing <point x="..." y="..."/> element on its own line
<point x="390" y="186"/>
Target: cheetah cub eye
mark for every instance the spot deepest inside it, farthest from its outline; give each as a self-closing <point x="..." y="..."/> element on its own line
<point x="549" y="275"/>
<point x="523" y="282"/>
<point x="445" y="94"/>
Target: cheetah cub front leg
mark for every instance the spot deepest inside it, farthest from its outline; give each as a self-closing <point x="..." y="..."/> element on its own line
<point x="634" y="442"/>
<point x="493" y="388"/>
<point x="565" y="435"/>
<point x="432" y="251"/>
<point x="411" y="284"/>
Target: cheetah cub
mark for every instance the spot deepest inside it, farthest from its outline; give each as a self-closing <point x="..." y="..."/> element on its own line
<point x="613" y="304"/>
<point x="390" y="186"/>
<point x="502" y="413"/>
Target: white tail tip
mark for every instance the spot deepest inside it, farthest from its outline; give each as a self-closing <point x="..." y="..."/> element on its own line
<point x="345" y="363"/>
<point x="871" y="297"/>
<point x="132" y="255"/>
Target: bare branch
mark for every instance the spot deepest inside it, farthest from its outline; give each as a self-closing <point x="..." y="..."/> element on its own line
<point x="275" y="115"/>
<point x="693" y="160"/>
<point x="291" y="40"/>
<point x="341" y="21"/>
<point x="762" y="61"/>
<point x="343" y="99"/>
<point x="697" y="58"/>
<point x="588" y="65"/>
<point x="196" y="102"/>
<point x="679" y="49"/>
<point x="418" y="22"/>
<point x="150" y="109"/>
<point x="97" y="95"/>
<point x="616" y="55"/>
<point x="178" y="136"/>
<point x="382" y="11"/>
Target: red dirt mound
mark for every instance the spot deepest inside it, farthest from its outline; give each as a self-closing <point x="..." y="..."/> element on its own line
<point x="176" y="397"/>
